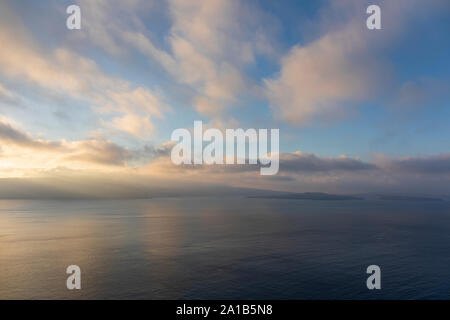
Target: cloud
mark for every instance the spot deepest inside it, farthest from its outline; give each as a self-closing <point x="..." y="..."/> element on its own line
<point x="320" y="79"/>
<point x="207" y="46"/>
<point x="64" y="72"/>
<point x="205" y="42"/>
<point x="304" y="172"/>
<point x="21" y="150"/>
<point x="292" y="165"/>
<point x="435" y="165"/>
<point x="11" y="135"/>
<point x="213" y="42"/>
<point x="24" y="155"/>
<point x="298" y="162"/>
<point x="210" y="49"/>
<point x="102" y="25"/>
<point x="210" y="43"/>
<point x="6" y="95"/>
<point x="99" y="152"/>
<point x="346" y="65"/>
<point x="305" y="162"/>
<point x="133" y="124"/>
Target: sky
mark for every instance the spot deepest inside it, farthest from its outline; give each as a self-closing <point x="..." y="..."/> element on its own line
<point x="358" y="110"/>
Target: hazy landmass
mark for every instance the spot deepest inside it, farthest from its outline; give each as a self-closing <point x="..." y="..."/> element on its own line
<point x="134" y="187"/>
<point x="405" y="198"/>
<point x="129" y="188"/>
<point x="116" y="187"/>
<point x="309" y="196"/>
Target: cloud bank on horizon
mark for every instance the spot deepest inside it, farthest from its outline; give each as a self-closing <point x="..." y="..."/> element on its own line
<point x="358" y="110"/>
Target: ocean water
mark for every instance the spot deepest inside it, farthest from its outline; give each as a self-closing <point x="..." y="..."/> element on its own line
<point x="224" y="248"/>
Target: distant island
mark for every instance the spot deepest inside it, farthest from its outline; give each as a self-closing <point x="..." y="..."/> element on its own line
<point x="309" y="196"/>
<point x="405" y="198"/>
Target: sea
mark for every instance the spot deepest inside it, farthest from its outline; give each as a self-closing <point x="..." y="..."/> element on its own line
<point x="224" y="248"/>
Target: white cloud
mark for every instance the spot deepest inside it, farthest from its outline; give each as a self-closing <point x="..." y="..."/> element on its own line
<point x="134" y="125"/>
<point x="347" y="64"/>
<point x="210" y="43"/>
<point x="64" y="72"/>
<point x="319" y="79"/>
